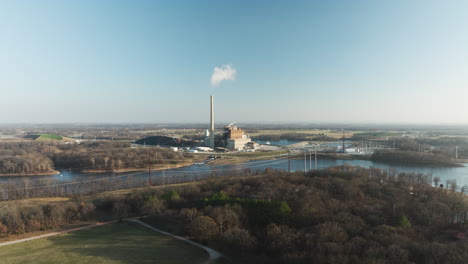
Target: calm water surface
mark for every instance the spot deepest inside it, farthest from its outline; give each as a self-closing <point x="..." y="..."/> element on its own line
<point x="460" y="174"/>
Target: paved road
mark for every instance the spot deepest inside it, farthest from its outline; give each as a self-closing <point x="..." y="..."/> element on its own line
<point x="213" y="254"/>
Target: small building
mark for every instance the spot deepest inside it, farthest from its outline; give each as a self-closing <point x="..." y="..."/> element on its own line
<point x="252" y="145"/>
<point x="237" y="144"/>
<point x="204" y="149"/>
<point x="175" y="149"/>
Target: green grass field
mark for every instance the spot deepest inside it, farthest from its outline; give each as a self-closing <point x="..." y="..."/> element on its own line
<point x="116" y="243"/>
<point x="49" y="137"/>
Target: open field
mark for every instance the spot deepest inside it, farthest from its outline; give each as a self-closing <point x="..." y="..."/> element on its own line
<point x="49" y="137"/>
<point x="10" y="139"/>
<point x="125" y="242"/>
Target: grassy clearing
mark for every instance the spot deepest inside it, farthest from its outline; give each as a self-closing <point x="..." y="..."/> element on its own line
<point x="116" y="243"/>
<point x="49" y="137"/>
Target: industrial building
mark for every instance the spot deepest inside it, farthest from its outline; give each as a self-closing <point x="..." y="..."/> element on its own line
<point x="232" y="138"/>
<point x="235" y="138"/>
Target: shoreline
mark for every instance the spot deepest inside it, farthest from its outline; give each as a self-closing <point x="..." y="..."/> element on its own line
<point x="240" y="159"/>
<point x="159" y="168"/>
<point x="227" y="160"/>
<point x="424" y="165"/>
<point x="49" y="173"/>
<point x="56" y="172"/>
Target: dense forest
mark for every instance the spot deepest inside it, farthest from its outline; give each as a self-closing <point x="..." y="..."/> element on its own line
<point x="24" y="158"/>
<point x="108" y="156"/>
<point x="413" y="158"/>
<point x="16" y="220"/>
<point x="338" y="215"/>
<point x="38" y="157"/>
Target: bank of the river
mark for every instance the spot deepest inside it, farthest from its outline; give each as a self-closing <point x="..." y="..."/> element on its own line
<point x="47" y="173"/>
<point x="233" y="158"/>
<point x="423" y="164"/>
<point x="153" y="168"/>
<point x="341" y="156"/>
<point x="202" y="170"/>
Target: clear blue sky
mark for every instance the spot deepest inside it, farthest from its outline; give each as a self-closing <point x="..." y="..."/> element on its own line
<point x="299" y="61"/>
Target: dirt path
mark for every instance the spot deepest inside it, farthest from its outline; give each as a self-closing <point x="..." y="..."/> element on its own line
<point x="213" y="254"/>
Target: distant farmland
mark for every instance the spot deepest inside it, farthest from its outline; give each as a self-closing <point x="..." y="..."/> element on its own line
<point x="110" y="244"/>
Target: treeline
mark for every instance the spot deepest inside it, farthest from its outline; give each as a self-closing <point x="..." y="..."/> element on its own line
<point x="25" y="164"/>
<point x="15" y="220"/>
<point x="106" y="156"/>
<point x="24" y="158"/>
<point x="444" y="146"/>
<point x="339" y="215"/>
<point x="447" y="145"/>
<point x="413" y="158"/>
<point x="41" y="157"/>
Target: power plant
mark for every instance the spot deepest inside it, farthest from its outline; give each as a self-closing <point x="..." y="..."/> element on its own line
<point x="232" y="138"/>
<point x="210" y="133"/>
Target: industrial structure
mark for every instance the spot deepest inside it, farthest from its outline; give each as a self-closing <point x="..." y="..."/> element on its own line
<point x="209" y="133"/>
<point x="232" y="138"/>
<point x="235" y="138"/>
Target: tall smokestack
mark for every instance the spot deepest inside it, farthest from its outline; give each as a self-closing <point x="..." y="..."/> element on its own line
<point x="212" y="135"/>
<point x="212" y="114"/>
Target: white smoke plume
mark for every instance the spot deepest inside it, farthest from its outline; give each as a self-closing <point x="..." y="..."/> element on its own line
<point x="223" y="73"/>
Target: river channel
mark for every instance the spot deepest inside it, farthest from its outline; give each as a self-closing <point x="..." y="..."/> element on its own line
<point x="460" y="174"/>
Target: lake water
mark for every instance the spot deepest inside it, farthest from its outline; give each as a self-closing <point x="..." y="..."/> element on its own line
<point x="460" y="174"/>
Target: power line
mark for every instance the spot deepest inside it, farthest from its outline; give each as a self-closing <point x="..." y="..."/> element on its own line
<point x="139" y="173"/>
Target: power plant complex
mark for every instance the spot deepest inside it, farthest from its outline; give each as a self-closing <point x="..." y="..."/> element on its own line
<point x="232" y="137"/>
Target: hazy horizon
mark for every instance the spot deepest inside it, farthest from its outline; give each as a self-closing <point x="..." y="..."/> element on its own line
<point x="352" y="62"/>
